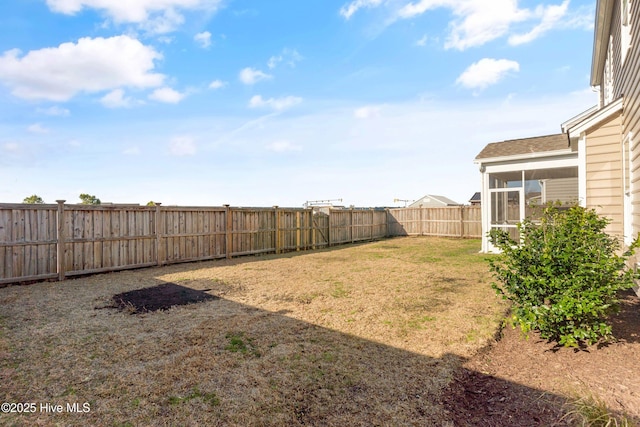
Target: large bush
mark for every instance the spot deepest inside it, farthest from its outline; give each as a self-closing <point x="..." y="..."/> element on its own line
<point x="563" y="276"/>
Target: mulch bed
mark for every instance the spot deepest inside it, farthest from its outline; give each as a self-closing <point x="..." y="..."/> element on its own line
<point x="529" y="382"/>
<point x="475" y="399"/>
<point x="160" y="297"/>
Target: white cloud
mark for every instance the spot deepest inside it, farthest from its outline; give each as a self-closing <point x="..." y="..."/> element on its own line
<point x="163" y="23"/>
<point x="203" y="39"/>
<point x="349" y="9"/>
<point x="412" y="9"/>
<point x="182" y="146"/>
<point x="476" y="22"/>
<point x="251" y="76"/>
<point x="479" y="22"/>
<point x="167" y="95"/>
<point x="165" y="39"/>
<point x="283" y="146"/>
<point x="486" y="72"/>
<point x="59" y="73"/>
<point x="155" y="16"/>
<point x="274" y="61"/>
<point x="277" y="104"/>
<point x="217" y="84"/>
<point x="11" y="147"/>
<point x="550" y="16"/>
<point x="38" y="128"/>
<point x="54" y="111"/>
<point x="289" y="56"/>
<point x="116" y="99"/>
<point x="581" y="18"/>
<point x="422" y="41"/>
<point x="367" y="112"/>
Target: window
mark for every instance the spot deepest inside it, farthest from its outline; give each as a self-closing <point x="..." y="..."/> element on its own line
<point x="607" y="92"/>
<point x="627" y="183"/>
<point x="625" y="28"/>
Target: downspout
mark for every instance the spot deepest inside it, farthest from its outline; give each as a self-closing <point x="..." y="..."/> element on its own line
<point x="582" y="170"/>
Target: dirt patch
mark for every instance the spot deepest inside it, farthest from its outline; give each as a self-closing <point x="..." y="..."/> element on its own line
<point x="160" y="297"/>
<point x="532" y="382"/>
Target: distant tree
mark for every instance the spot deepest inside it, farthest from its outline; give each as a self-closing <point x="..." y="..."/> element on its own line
<point x="87" y="199"/>
<point x="151" y="203"/>
<point x="33" y="200"/>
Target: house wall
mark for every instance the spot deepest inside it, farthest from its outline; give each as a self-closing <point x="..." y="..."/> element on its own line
<point x="562" y="189"/>
<point x="427" y="202"/>
<point x="626" y="84"/>
<point x="604" y="172"/>
<point x="630" y="86"/>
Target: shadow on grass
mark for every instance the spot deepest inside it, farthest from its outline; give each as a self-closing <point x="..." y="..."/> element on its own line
<point x="227" y="363"/>
<point x="471" y="399"/>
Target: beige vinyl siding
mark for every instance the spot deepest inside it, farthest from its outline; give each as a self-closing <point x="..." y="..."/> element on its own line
<point x="617" y="52"/>
<point x="630" y="84"/>
<point x="562" y="189"/>
<point x="604" y="172"/>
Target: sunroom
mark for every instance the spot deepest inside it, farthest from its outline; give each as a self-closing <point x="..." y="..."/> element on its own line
<point x="520" y="175"/>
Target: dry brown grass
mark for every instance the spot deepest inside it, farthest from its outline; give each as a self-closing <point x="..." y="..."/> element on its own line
<point x="357" y="335"/>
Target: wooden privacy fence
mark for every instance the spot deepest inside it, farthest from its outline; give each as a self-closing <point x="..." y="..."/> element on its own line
<point x="39" y="242"/>
<point x="450" y="221"/>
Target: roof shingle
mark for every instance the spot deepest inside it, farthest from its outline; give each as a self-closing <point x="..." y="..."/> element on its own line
<point x="538" y="144"/>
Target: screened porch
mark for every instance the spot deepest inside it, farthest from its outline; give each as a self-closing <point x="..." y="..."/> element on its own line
<point x="517" y="184"/>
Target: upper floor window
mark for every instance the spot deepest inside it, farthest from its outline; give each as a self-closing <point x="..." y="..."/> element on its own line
<point x="607" y="84"/>
<point x="625" y="28"/>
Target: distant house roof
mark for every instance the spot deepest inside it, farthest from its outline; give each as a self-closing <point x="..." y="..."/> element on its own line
<point x="514" y="147"/>
<point x="433" y="200"/>
<point x="476" y="197"/>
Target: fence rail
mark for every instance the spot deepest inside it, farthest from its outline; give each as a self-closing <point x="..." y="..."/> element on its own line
<point x="40" y="242"/>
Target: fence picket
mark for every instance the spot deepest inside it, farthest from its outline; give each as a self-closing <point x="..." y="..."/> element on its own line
<point x="40" y="242"/>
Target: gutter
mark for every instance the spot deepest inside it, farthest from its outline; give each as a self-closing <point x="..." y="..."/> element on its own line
<point x="604" y="11"/>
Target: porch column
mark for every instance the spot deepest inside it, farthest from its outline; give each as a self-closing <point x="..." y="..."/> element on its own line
<point x="485" y="207"/>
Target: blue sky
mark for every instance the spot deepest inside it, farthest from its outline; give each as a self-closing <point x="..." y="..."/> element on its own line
<point x="261" y="103"/>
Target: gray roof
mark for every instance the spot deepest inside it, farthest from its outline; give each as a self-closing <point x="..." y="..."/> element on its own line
<point x="538" y="144"/>
<point x="443" y="200"/>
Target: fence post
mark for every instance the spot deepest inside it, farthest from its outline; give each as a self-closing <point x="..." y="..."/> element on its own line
<point x="461" y="221"/>
<point x="227" y="230"/>
<point x="421" y="229"/>
<point x="387" y="214"/>
<point x="160" y="253"/>
<point x="329" y="230"/>
<point x="60" y="237"/>
<point x="276" y="213"/>
<point x="351" y="224"/>
<point x="313" y="230"/>
<point x="371" y="226"/>
<point x="297" y="231"/>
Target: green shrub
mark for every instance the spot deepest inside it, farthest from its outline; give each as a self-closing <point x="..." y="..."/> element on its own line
<point x="563" y="276"/>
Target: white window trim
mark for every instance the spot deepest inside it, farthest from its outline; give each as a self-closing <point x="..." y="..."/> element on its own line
<point x="625" y="29"/>
<point x="607" y="84"/>
<point x="627" y="183"/>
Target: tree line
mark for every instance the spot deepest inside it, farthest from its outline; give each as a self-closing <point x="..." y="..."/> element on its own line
<point x="85" y="199"/>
